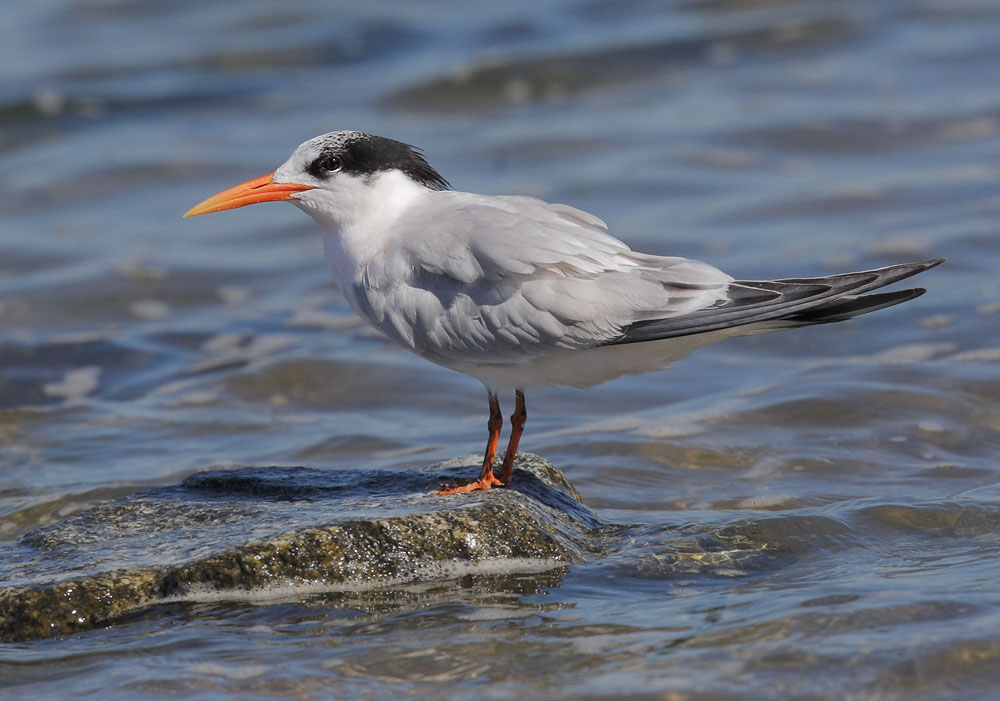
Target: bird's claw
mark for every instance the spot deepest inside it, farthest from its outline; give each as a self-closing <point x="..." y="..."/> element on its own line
<point x="475" y="485"/>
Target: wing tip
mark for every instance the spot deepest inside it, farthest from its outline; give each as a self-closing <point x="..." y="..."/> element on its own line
<point x="851" y="301"/>
<point x="848" y="307"/>
<point x="930" y="263"/>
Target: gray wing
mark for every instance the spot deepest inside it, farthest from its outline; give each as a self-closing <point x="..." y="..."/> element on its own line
<point x="510" y="278"/>
<point x="793" y="301"/>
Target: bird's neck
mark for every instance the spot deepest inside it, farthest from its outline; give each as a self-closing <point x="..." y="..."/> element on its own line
<point x="365" y="223"/>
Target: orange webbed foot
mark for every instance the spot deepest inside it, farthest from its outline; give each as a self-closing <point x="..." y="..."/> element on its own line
<point x="476" y="485"/>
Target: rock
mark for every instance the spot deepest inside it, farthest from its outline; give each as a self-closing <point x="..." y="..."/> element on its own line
<point x="259" y="528"/>
<point x="360" y="537"/>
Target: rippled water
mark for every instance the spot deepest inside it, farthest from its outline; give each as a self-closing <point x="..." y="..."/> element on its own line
<point x="772" y="138"/>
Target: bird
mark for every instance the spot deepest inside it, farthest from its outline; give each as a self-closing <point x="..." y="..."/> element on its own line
<point x="518" y="292"/>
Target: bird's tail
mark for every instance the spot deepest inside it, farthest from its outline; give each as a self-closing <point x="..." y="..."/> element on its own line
<point x="850" y="306"/>
<point x="766" y="305"/>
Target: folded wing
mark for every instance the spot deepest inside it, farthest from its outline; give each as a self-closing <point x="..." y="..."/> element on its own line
<point x="792" y="301"/>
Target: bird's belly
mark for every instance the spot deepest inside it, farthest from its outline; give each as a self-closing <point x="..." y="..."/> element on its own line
<point x="508" y="357"/>
<point x="588" y="367"/>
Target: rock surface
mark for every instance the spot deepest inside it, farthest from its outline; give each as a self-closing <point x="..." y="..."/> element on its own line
<point x="255" y="528"/>
<point x="288" y="531"/>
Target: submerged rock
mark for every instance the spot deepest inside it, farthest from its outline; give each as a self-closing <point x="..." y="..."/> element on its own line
<point x="258" y="528"/>
<point x="272" y="532"/>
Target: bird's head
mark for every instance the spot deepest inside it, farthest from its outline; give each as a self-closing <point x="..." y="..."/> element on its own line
<point x="335" y="178"/>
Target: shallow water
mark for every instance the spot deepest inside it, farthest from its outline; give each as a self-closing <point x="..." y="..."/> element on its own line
<point x="773" y="139"/>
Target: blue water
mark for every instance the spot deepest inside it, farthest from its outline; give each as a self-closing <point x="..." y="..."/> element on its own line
<point x="773" y="139"/>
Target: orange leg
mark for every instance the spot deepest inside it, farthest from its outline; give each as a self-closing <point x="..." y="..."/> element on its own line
<point x="517" y="420"/>
<point x="486" y="477"/>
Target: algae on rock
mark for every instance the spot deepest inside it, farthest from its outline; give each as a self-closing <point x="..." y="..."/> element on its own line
<point x="256" y="528"/>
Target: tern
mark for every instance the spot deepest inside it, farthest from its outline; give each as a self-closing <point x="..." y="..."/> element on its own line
<point x="517" y="292"/>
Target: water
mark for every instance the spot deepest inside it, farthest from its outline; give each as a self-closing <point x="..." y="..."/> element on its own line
<point x="770" y="138"/>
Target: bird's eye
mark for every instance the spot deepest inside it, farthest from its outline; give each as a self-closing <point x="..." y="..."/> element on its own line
<point x="331" y="164"/>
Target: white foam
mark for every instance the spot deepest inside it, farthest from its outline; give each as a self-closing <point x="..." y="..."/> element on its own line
<point x="232" y="294"/>
<point x="224" y="349"/>
<point x="767" y="501"/>
<point x="233" y="672"/>
<point x="223" y="342"/>
<point x="75" y="384"/>
<point x="149" y="309"/>
<point x="440" y="571"/>
<point x="268" y="343"/>
<point x="936" y="322"/>
<point x="765" y="468"/>
<point x="913" y="353"/>
<point x="496" y="613"/>
<point x="979" y="355"/>
<point x="193" y="399"/>
<point x="988" y="308"/>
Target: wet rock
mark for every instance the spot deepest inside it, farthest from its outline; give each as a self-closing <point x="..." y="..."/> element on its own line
<point x="260" y="528"/>
<point x="363" y="538"/>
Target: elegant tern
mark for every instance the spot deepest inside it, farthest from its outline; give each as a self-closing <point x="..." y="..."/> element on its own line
<point x="517" y="292"/>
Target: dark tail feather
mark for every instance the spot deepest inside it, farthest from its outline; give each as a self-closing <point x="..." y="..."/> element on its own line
<point x="789" y="302"/>
<point x="854" y="305"/>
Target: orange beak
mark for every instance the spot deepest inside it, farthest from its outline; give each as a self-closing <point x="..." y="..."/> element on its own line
<point x="262" y="189"/>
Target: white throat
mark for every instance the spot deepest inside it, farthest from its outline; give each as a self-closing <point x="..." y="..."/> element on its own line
<point x="357" y="214"/>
